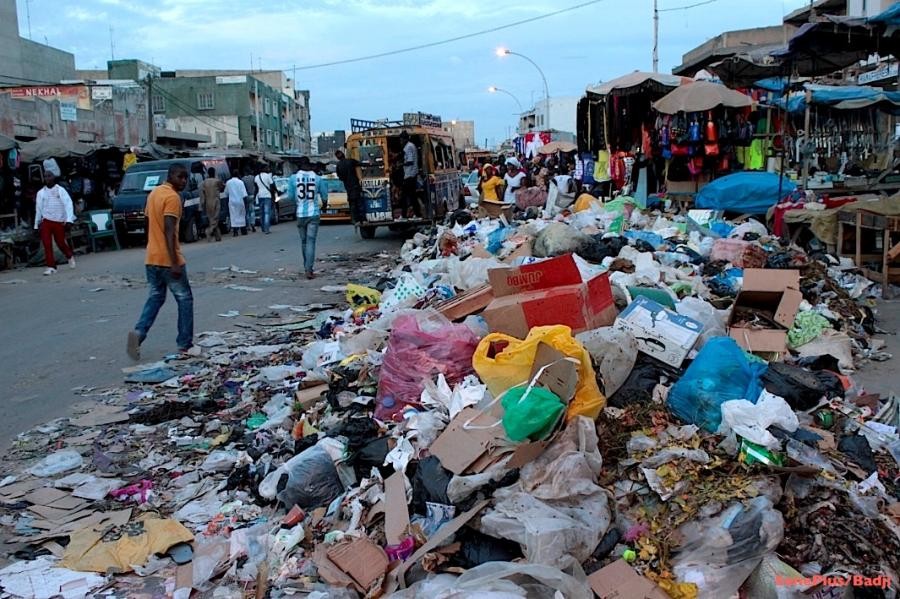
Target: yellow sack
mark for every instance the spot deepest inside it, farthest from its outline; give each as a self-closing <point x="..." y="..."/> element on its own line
<point x="362" y="298"/>
<point x="584" y="202"/>
<point x="512" y="366"/>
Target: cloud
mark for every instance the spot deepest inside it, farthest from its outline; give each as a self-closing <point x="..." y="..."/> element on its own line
<point x="84" y="15"/>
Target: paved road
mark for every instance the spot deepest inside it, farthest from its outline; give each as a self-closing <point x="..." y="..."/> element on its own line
<point x="69" y="330"/>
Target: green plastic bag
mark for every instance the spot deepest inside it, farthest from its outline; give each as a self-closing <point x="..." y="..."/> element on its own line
<point x="531" y="416"/>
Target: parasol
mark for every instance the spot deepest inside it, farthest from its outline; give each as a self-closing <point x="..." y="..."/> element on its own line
<point x="699" y="96"/>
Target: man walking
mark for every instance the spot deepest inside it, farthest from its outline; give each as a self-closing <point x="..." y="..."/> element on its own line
<point x="250" y="200"/>
<point x="307" y="188"/>
<point x="209" y="195"/>
<point x="237" y="211"/>
<point x="410" y="176"/>
<point x="265" y="192"/>
<point x="346" y="172"/>
<point x="54" y="214"/>
<point x="165" y="265"/>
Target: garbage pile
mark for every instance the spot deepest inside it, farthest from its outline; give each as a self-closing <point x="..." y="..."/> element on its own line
<point x="608" y="401"/>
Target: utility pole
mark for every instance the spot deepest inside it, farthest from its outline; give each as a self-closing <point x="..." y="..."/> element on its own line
<point x="28" y="17"/>
<point x="112" y="46"/>
<point x="151" y="134"/>
<point x="655" y="37"/>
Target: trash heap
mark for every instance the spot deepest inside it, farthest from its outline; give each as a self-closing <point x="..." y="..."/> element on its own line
<point x="608" y="401"/>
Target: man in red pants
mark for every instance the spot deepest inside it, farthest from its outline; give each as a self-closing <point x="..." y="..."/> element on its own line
<point x="54" y="214"/>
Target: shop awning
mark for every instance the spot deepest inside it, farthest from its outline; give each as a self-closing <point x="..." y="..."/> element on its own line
<point x="699" y="96"/>
<point x="557" y="146"/>
<point x="842" y="97"/>
<point x="53" y="147"/>
<point x="7" y="143"/>
<point x="637" y="82"/>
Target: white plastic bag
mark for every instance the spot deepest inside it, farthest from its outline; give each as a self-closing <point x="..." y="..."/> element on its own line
<point x="556" y="510"/>
<point x="750" y="421"/>
<point x="471" y="272"/>
<point x="57" y="463"/>
<point x="702" y="311"/>
<point x="614" y="352"/>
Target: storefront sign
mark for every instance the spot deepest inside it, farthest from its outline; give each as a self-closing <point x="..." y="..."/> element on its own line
<point x="885" y="71"/>
<point x="231" y="79"/>
<point x="68" y="111"/>
<point x="101" y="93"/>
<point x="71" y="93"/>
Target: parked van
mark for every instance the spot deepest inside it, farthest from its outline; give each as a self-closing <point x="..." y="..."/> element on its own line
<point x="140" y="179"/>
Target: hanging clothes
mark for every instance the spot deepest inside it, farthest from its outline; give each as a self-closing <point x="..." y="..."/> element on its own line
<point x="602" y="167"/>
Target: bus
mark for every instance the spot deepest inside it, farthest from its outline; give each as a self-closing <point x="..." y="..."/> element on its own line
<point x="377" y="146"/>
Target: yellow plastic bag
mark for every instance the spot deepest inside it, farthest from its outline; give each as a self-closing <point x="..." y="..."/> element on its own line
<point x="512" y="366"/>
<point x="584" y="202"/>
<point x="362" y="298"/>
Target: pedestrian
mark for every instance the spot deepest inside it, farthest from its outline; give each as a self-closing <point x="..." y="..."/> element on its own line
<point x="410" y="177"/>
<point x="54" y="215"/>
<point x="165" y="265"/>
<point x="513" y="179"/>
<point x="307" y="188"/>
<point x="489" y="184"/>
<point x="266" y="194"/>
<point x="210" y="191"/>
<point x="250" y="201"/>
<point x="346" y="172"/>
<point x="237" y="211"/>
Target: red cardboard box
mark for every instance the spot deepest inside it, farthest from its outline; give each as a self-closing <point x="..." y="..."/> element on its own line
<point x="548" y="293"/>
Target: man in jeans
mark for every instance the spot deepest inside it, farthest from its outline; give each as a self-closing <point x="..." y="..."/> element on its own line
<point x="265" y="188"/>
<point x="250" y="201"/>
<point x="307" y="188"/>
<point x="165" y="264"/>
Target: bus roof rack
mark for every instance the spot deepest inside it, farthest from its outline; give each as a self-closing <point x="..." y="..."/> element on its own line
<point x="360" y="125"/>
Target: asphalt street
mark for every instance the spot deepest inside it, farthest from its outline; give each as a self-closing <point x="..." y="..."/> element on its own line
<point x="68" y="330"/>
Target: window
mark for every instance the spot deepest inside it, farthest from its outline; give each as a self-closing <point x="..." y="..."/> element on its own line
<point x="266" y="104"/>
<point x="159" y="104"/>
<point x="221" y="139"/>
<point x="268" y="137"/>
<point x="205" y="101"/>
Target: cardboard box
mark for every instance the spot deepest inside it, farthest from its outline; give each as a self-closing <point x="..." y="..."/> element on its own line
<point x="362" y="560"/>
<point x="771" y="296"/>
<point x="660" y="332"/>
<point x="548" y="293"/>
<point x="619" y="581"/>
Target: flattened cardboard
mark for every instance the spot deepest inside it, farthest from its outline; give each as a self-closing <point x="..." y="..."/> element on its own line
<point x="308" y="397"/>
<point x="560" y="375"/>
<point x="458" y="447"/>
<point x="619" y="581"/>
<point x="469" y="302"/>
<point x="548" y="293"/>
<point x="396" y="516"/>
<point x="772" y="291"/>
<point x="660" y="332"/>
<point x="361" y="559"/>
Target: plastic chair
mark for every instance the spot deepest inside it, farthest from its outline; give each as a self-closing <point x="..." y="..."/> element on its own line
<point x="101" y="226"/>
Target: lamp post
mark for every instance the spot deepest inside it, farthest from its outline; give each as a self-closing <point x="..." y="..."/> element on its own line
<point x="501" y="52"/>
<point x="497" y="90"/>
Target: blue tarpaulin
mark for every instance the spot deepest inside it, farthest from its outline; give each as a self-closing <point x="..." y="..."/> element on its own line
<point x="749" y="192"/>
<point x="841" y="97"/>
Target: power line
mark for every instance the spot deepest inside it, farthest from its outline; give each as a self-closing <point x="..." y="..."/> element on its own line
<point x="674" y="8"/>
<point x="191" y="111"/>
<point x="444" y="41"/>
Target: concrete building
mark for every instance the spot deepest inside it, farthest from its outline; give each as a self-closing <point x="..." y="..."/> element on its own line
<point x="730" y="43"/>
<point x="562" y="115"/>
<point x="463" y="133"/>
<point x="329" y="141"/>
<point x="25" y="62"/>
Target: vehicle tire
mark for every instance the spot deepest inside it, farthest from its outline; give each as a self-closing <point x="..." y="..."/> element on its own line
<point x="367" y="232"/>
<point x="192" y="231"/>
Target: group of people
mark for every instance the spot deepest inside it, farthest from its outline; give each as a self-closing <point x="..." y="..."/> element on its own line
<point x="244" y="194"/>
<point x="514" y="181"/>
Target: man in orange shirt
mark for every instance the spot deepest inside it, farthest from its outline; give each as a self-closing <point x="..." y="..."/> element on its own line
<point x="164" y="263"/>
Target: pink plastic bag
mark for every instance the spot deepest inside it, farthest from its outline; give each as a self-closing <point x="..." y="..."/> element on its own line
<point x="422" y="344"/>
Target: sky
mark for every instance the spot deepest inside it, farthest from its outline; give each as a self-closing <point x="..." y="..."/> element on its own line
<point x="594" y="43"/>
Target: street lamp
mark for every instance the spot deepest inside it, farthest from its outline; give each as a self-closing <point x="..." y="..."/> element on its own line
<point x="494" y="90"/>
<point x="501" y="52"/>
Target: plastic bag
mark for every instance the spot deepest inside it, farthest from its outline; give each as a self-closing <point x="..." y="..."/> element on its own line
<point x="57" y="463"/>
<point x="512" y="365"/>
<point x="361" y="297"/>
<point x="556" y="510"/>
<point x="702" y="311"/>
<point x="422" y="344"/>
<point x="614" y="352"/>
<point x="719" y="553"/>
<point x="720" y="372"/>
<point x="800" y="388"/>
<point x="317" y="356"/>
<point x="429" y="484"/>
<point x="763" y="582"/>
<point x="310" y="480"/>
<point x="471" y="272"/>
<point x="557" y="239"/>
<point x="492" y="581"/>
<point x="807" y="326"/>
<point x="750" y="421"/>
<point x="530" y="413"/>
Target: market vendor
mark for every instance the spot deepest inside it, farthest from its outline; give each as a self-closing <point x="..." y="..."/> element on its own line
<point x="54" y="215"/>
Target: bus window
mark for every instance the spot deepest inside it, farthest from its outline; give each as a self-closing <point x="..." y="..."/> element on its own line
<point x="372" y="161"/>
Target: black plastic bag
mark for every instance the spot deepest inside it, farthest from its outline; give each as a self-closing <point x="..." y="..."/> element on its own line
<point x="371" y="455"/>
<point x="598" y="248"/>
<point x="824" y="362"/>
<point x="478" y="548"/>
<point x="638" y="387"/>
<point x="429" y="484"/>
<point x="309" y="480"/>
<point x="800" y="388"/>
<point x="857" y="448"/>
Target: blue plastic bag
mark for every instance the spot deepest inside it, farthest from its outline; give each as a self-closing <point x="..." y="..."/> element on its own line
<point x="719" y="373"/>
<point x="496" y="238"/>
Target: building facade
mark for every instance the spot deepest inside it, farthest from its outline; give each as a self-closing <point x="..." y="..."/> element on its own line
<point x="25" y="62"/>
<point x="562" y="115"/>
<point x="462" y="132"/>
<point x="329" y="141"/>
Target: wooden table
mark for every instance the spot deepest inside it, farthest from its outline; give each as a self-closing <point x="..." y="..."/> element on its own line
<point x="878" y="230"/>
